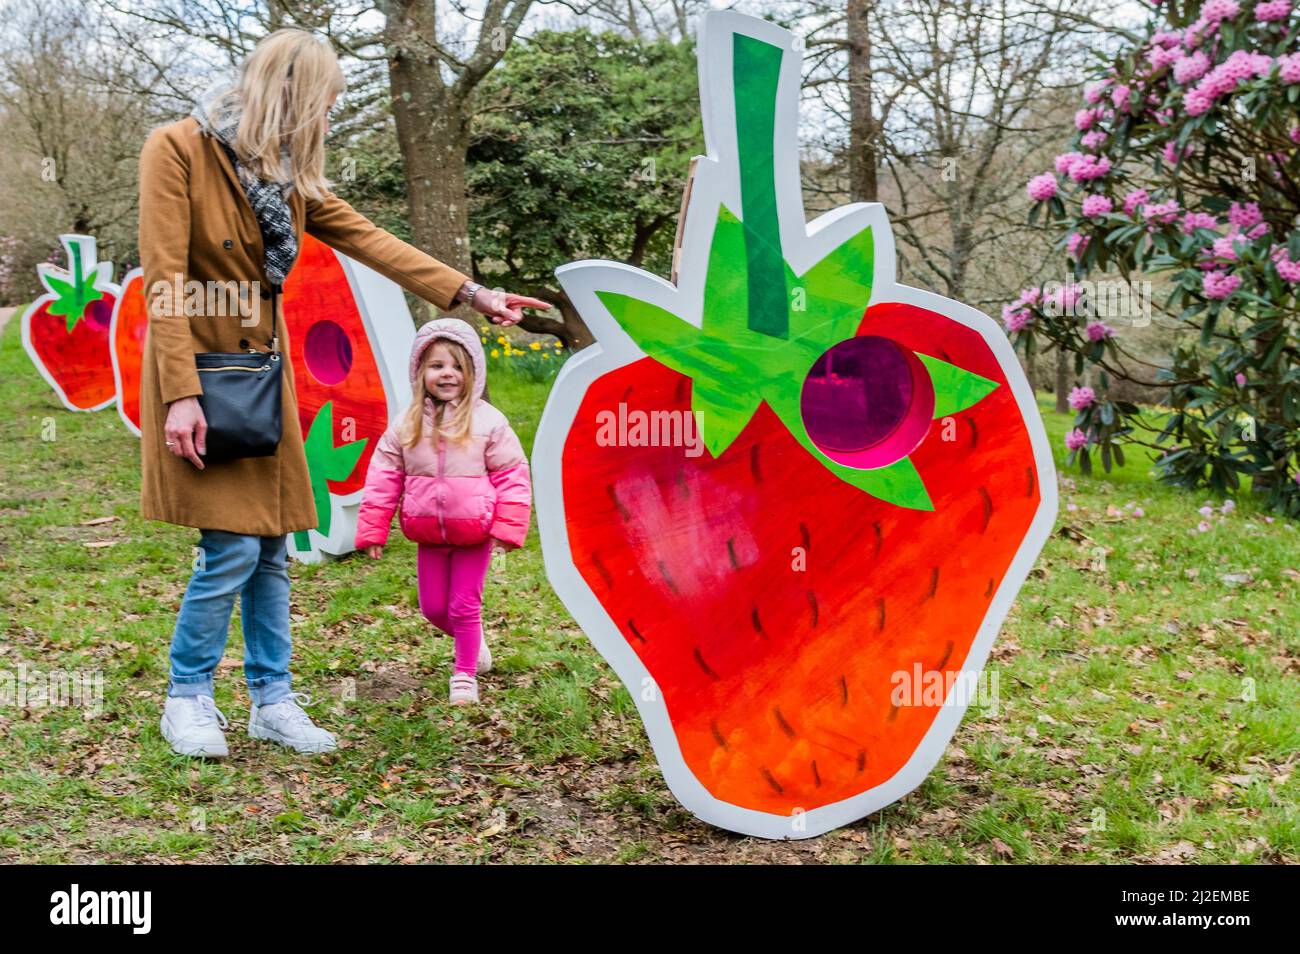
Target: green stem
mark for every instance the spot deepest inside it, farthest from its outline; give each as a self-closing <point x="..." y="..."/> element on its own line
<point x="755" y="68"/>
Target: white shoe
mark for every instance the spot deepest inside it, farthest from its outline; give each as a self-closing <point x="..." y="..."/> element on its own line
<point x="464" y="689"/>
<point x="286" y="723"/>
<point x="193" y="724"/>
<point x="484" y="656"/>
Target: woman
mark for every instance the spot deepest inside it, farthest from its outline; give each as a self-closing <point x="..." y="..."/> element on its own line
<point x="225" y="195"/>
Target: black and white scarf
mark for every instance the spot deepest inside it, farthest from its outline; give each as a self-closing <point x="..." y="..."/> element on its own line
<point x="218" y="113"/>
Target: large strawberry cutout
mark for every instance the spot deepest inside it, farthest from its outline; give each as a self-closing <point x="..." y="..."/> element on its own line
<point x="65" y="331"/>
<point x="349" y="339"/>
<point x="828" y="483"/>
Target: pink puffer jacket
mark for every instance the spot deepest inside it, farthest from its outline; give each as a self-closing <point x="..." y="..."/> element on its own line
<point x="448" y="493"/>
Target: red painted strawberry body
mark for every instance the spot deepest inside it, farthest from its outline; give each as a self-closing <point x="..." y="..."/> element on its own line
<point x="66" y="330"/>
<point x="771" y="602"/>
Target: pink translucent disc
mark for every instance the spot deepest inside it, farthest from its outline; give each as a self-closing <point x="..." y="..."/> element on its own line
<point x="867" y="402"/>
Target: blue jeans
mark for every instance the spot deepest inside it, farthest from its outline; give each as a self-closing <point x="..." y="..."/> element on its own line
<point x="254" y="569"/>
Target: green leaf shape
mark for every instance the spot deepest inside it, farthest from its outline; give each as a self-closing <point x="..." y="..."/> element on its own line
<point x="326" y="462"/>
<point x="72" y="298"/>
<point x="955" y="388"/>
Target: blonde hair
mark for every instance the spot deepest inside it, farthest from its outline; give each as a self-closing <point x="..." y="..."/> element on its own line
<point x="285" y="86"/>
<point x="457" y="426"/>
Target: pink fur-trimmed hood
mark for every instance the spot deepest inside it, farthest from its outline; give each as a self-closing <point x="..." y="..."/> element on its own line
<point x="451" y="329"/>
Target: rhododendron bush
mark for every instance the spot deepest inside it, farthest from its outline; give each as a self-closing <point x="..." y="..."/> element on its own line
<point x="1184" y="164"/>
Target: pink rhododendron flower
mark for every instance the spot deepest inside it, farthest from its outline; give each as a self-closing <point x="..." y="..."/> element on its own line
<point x="1088" y="167"/>
<point x="1219" y="285"/>
<point x="1042" y="188"/>
<point x="1225" y="248"/>
<point x="1134" y="199"/>
<point x="1095" y="205"/>
<point x="1241" y="380"/>
<point x="1075" y="440"/>
<point x="1094" y="139"/>
<point x="1198" y="220"/>
<point x="1244" y="216"/>
<point x="1030" y="296"/>
<point x="1167" y="39"/>
<point x="1289" y="67"/>
<point x="1082" y="397"/>
<point x="1216" y="10"/>
<point x="1161" y="213"/>
<point x="1084" y="119"/>
<point x="1171" y="152"/>
<point x="1063" y="299"/>
<point x="1289" y="270"/>
<point x="1120" y="96"/>
<point x="1099" y="331"/>
<point x="1065" y="160"/>
<point x="1191" y="67"/>
<point x="1272" y="10"/>
<point x="1159" y="58"/>
<point x="1094" y="93"/>
<point x="1076" y="245"/>
<point x="1015" y="319"/>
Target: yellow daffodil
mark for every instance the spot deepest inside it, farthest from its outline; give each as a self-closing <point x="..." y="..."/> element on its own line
<point x="535" y="346"/>
<point x="494" y="353"/>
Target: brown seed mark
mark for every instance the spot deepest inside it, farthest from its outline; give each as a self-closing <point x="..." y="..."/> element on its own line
<point x="988" y="508"/>
<point x="771" y="781"/>
<point x="622" y="511"/>
<point x="780" y="720"/>
<point x="717" y="735"/>
<point x="708" y="670"/>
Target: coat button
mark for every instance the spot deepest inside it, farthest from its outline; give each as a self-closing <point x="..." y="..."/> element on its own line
<point x="228" y="244"/>
<point x="243" y="343"/>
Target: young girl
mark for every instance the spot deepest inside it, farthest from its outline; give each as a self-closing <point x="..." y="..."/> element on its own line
<point x="461" y="477"/>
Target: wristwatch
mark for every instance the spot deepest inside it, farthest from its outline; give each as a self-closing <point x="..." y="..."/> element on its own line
<point x="468" y="290"/>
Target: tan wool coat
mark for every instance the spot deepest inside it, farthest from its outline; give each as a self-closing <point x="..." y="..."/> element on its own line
<point x="196" y="223"/>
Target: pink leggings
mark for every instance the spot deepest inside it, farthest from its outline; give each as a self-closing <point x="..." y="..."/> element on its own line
<point x="451" y="595"/>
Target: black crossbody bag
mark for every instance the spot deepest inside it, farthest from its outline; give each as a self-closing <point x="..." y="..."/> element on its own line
<point x="241" y="399"/>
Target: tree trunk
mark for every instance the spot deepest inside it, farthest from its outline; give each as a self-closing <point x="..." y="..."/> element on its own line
<point x="862" y="124"/>
<point x="432" y="134"/>
<point x="1062" y="381"/>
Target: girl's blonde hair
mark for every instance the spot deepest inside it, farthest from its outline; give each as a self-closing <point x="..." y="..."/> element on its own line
<point x="457" y="426"/>
<point x="286" y="85"/>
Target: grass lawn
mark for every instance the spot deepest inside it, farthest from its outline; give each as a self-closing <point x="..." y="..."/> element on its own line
<point x="1149" y="703"/>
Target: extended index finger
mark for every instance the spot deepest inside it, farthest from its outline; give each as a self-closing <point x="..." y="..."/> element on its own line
<point x="525" y="302"/>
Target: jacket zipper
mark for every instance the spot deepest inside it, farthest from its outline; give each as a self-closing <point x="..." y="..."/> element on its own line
<point x="442" y="483"/>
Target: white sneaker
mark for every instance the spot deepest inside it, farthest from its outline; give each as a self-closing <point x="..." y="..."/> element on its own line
<point x="464" y="689"/>
<point x="286" y="723"/>
<point x="193" y="724"/>
<point x="484" y="656"/>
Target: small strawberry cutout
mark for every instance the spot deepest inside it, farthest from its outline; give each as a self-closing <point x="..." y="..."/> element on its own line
<point x="65" y="331"/>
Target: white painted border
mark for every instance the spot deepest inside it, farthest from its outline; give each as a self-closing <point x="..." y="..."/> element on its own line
<point x="715" y="182"/>
<point x="102" y="280"/>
